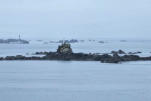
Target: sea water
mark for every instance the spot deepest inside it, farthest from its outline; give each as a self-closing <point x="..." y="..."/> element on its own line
<point x="75" y="80"/>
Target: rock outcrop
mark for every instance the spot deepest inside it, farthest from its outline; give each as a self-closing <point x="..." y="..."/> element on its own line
<point x="65" y="48"/>
<point x="64" y="52"/>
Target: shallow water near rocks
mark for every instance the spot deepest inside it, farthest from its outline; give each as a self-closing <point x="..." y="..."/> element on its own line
<point x="74" y="81"/>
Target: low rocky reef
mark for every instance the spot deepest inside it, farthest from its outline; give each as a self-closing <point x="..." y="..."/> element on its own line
<point x="65" y="53"/>
<point x="105" y="58"/>
<point x="13" y="41"/>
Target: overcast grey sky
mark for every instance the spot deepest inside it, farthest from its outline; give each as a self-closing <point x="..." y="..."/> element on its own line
<point x="76" y="18"/>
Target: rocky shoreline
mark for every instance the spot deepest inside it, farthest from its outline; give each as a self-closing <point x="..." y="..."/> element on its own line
<point x="64" y="52"/>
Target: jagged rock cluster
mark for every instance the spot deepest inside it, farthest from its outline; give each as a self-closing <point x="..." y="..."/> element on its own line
<point x="65" y="48"/>
<point x="64" y="52"/>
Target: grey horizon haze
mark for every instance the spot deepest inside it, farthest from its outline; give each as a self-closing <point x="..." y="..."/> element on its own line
<point x="35" y="19"/>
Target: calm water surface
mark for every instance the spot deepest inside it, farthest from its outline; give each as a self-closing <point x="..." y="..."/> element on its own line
<point x="74" y="81"/>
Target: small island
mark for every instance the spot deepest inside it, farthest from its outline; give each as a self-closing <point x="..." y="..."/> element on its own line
<point x="65" y="53"/>
<point x="14" y="41"/>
